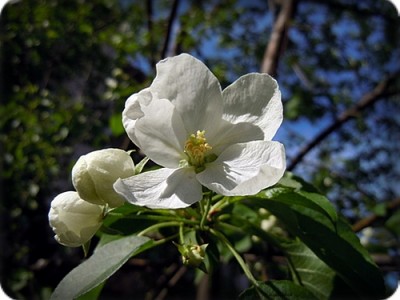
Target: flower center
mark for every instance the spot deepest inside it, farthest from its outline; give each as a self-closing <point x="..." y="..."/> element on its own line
<point x="197" y="150"/>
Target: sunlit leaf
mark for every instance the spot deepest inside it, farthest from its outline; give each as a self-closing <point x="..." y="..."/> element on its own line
<point x="308" y="270"/>
<point x="104" y="262"/>
<point x="309" y="217"/>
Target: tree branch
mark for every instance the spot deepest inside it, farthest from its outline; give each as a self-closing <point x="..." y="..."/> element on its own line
<point x="278" y="39"/>
<point x="367" y="100"/>
<point x="171" y="20"/>
<point x="370" y="220"/>
<point x="149" y="11"/>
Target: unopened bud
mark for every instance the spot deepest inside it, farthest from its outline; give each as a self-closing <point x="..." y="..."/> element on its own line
<point x="192" y="255"/>
<point x="94" y="174"/>
<point x="73" y="220"/>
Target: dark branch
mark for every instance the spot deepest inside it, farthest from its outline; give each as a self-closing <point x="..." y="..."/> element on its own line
<point x="367" y="100"/>
<point x="370" y="220"/>
<point x="278" y="38"/>
<point x="171" y="20"/>
<point x="149" y="10"/>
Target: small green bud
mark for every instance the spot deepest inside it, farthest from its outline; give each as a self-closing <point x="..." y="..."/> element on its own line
<point x="94" y="174"/>
<point x="73" y="220"/>
<point x="192" y="255"/>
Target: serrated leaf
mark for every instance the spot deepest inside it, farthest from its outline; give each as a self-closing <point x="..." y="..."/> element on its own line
<point x="104" y="262"/>
<point x="332" y="241"/>
<point x="308" y="270"/>
<point x="275" y="290"/>
<point x="304" y="200"/>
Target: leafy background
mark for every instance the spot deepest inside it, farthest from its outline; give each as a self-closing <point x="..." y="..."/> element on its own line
<point x="68" y="67"/>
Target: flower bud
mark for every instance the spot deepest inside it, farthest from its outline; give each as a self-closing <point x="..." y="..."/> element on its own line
<point x="73" y="220"/>
<point x="192" y="255"/>
<point x="94" y="174"/>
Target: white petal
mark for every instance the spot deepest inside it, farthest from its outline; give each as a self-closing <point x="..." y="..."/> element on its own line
<point x="133" y="111"/>
<point x="245" y="169"/>
<point x="164" y="188"/>
<point x="193" y="89"/>
<point x="229" y="134"/>
<point x="161" y="133"/>
<point x="254" y="98"/>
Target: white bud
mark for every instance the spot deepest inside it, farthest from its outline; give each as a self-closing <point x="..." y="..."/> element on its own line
<point x="94" y="174"/>
<point x="73" y="220"/>
<point x="269" y="223"/>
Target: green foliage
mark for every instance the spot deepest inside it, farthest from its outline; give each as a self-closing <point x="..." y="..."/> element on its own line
<point x="308" y="270"/>
<point x="331" y="240"/>
<point x="277" y="290"/>
<point x="324" y="257"/>
<point x="105" y="261"/>
<point x="68" y="67"/>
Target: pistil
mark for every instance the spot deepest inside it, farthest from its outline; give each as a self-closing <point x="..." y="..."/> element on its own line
<point x="197" y="149"/>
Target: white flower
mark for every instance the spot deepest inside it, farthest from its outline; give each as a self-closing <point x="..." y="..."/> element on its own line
<point x="73" y="220"/>
<point x="94" y="174"/>
<point x="202" y="135"/>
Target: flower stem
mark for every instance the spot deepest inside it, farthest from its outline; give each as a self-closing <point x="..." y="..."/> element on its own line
<point x="158" y="218"/>
<point x="239" y="259"/>
<point x="206" y="210"/>
<point x="158" y="226"/>
<point x="181" y="234"/>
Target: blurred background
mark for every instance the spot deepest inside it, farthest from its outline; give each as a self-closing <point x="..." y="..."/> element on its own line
<point x="67" y="67"/>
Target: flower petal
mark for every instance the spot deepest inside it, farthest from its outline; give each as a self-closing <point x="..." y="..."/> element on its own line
<point x="229" y="134"/>
<point x="161" y="133"/>
<point x="254" y="98"/>
<point x="133" y="111"/>
<point x="245" y="169"/>
<point x="164" y="188"/>
<point x="193" y="89"/>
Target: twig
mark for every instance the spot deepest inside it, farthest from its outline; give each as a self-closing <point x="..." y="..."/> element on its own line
<point x="172" y="282"/>
<point x="169" y="28"/>
<point x="367" y="100"/>
<point x="370" y="220"/>
<point x="278" y="39"/>
<point x="149" y="10"/>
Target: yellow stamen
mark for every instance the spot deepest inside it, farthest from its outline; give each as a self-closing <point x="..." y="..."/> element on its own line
<point x="196" y="148"/>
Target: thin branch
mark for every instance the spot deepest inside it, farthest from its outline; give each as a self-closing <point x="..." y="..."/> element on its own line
<point x="367" y="100"/>
<point x="171" y="282"/>
<point x="171" y="20"/>
<point x="370" y="220"/>
<point x="149" y="11"/>
<point x="278" y="38"/>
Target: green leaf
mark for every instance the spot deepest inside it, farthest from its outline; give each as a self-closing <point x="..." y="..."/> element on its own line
<point x="309" y="217"/>
<point x="276" y="290"/>
<point x="122" y="220"/>
<point x="104" y="262"/>
<point x="139" y="167"/>
<point x="308" y="270"/>
<point x="393" y="223"/>
<point x="115" y="124"/>
<point x="93" y="293"/>
<point x="295" y="182"/>
<point x="303" y="200"/>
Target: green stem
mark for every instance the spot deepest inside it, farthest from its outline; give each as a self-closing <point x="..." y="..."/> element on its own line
<point x="157" y="218"/>
<point x="239" y="259"/>
<point x="224" y="202"/>
<point x="181" y="234"/>
<point x="158" y="226"/>
<point x="206" y="211"/>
